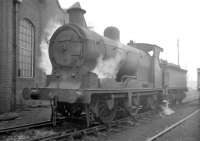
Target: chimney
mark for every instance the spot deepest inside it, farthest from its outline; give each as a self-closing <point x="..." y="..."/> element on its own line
<point x="76" y="15"/>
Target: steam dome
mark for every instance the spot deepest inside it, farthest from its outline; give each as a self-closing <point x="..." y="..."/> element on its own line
<point x="112" y="33"/>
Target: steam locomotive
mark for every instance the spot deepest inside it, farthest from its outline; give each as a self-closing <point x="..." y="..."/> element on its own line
<point x="99" y="77"/>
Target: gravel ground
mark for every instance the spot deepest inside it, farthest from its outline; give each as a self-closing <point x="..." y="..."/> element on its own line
<point x="149" y="128"/>
<point x="37" y="111"/>
<point x="27" y="135"/>
<point x="143" y="129"/>
<point x="188" y="131"/>
<point x="27" y="116"/>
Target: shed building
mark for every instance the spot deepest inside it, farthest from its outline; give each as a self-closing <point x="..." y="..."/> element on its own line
<point x="22" y="29"/>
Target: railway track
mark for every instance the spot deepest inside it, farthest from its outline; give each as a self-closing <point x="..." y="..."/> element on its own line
<point x="67" y="132"/>
<point x="170" y="128"/>
<point x="61" y="134"/>
<point x="25" y="127"/>
<point x="71" y="133"/>
<point x="28" y="126"/>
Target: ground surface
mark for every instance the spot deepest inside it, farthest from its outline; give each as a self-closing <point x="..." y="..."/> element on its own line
<point x="144" y="130"/>
<point x="188" y="131"/>
<point x="141" y="132"/>
<point x="28" y="115"/>
<point x="147" y="129"/>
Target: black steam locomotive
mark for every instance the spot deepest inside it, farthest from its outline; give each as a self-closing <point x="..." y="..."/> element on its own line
<point x="99" y="77"/>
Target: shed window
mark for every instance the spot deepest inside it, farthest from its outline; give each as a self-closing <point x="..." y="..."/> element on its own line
<point x="26" y="48"/>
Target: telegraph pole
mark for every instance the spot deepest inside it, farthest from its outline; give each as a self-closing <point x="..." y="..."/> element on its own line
<point x="178" y="49"/>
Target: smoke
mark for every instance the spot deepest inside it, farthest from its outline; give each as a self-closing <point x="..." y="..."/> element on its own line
<point x="109" y="68"/>
<point x="45" y="63"/>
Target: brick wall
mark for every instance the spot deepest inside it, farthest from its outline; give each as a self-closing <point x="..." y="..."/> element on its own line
<point x="6" y="54"/>
<point x="38" y="12"/>
<point x="28" y="9"/>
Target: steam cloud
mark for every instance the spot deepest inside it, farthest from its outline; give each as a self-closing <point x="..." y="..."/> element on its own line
<point x="45" y="63"/>
<point x="109" y="68"/>
<point x="166" y="110"/>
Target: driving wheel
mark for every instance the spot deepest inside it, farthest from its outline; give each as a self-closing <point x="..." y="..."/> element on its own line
<point x="106" y="115"/>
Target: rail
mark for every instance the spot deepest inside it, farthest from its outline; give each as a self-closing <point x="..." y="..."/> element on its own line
<point x="70" y="133"/>
<point x="28" y="126"/>
<point x="155" y="137"/>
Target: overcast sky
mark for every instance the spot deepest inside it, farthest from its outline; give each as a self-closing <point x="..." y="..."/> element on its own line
<point x="159" y="22"/>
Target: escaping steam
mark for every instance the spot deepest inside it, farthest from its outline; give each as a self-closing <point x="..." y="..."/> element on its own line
<point x="108" y="68"/>
<point x="166" y="110"/>
<point x="45" y="63"/>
